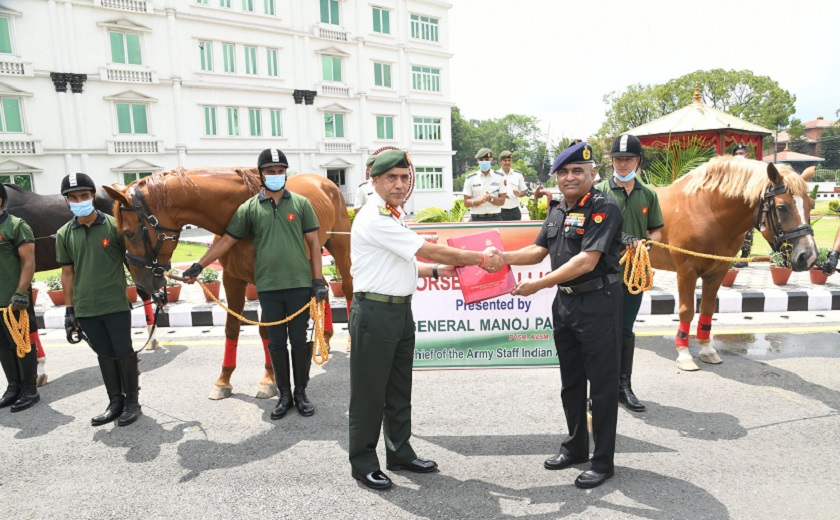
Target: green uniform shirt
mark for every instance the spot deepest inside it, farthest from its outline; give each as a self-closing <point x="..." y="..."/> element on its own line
<point x="278" y="231"/>
<point x="641" y="209"/>
<point x="96" y="254"/>
<point x="14" y="232"/>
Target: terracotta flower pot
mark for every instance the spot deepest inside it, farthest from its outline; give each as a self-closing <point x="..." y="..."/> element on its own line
<point x="213" y="288"/>
<point x="336" y="289"/>
<point x="173" y="293"/>
<point x="57" y="297"/>
<point x="251" y="292"/>
<point x="35" y="296"/>
<point x="729" y="279"/>
<point x="780" y="275"/>
<point x="131" y="293"/>
<point x="818" y="277"/>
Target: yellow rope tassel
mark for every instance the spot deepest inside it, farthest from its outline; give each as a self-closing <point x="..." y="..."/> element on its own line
<point x="19" y="329"/>
<point x="638" y="274"/>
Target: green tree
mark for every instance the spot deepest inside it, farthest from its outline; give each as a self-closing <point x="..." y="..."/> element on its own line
<point x="796" y="136"/>
<point x="829" y="146"/>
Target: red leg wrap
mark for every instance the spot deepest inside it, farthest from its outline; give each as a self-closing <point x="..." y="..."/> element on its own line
<point x="682" y="334"/>
<point x="230" y="352"/>
<point x="265" y="350"/>
<point x="328" y="323"/>
<point x="36" y="339"/>
<point x="704" y="327"/>
<point x="147" y="309"/>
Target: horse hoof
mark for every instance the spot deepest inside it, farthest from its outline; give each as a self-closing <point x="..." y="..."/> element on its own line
<point x="266" y="392"/>
<point x="220" y="392"/>
<point x="153" y="345"/>
<point x="712" y="359"/>
<point x="687" y="364"/>
<point x="42" y="379"/>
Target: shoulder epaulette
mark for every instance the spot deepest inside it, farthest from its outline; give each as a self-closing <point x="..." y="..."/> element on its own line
<point x="362" y="184"/>
<point x="384" y="211"/>
<point x="472" y="175"/>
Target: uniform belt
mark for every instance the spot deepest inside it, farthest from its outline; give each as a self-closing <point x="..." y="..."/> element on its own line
<point x="384" y="298"/>
<point x="591" y="285"/>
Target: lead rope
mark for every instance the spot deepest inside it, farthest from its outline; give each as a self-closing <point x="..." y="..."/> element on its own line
<point x="320" y="354"/>
<point x="19" y="329"/>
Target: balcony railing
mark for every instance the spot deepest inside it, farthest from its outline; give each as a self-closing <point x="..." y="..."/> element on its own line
<point x="337" y="147"/>
<point x="20" y="147"/>
<point x="136" y="6"/>
<point x="332" y="34"/>
<point x="135" y="146"/>
<point x="335" y="90"/>
<point x="11" y="68"/>
<point x="127" y="75"/>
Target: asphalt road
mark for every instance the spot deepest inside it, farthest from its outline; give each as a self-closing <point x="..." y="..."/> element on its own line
<point x="754" y="437"/>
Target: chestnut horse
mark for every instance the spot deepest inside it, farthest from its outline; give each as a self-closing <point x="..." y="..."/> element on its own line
<point x="709" y="210"/>
<point x="153" y="210"/>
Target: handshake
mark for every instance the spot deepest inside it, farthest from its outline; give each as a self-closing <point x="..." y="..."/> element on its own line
<point x="492" y="260"/>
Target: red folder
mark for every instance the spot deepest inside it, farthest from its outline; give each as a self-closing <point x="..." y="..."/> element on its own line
<point x="476" y="283"/>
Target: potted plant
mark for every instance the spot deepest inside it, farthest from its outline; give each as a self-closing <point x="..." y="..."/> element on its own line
<point x="130" y="288"/>
<point x="251" y="292"/>
<point x="729" y="278"/>
<point x="54" y="289"/>
<point x="34" y="296"/>
<point x="210" y="277"/>
<point x="173" y="287"/>
<point x="818" y="277"/>
<point x="780" y="268"/>
<point x="335" y="281"/>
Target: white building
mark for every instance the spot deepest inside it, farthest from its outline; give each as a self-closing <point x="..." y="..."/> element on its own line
<point x="120" y="89"/>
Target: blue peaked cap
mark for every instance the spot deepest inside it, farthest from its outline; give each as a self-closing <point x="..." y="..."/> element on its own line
<point x="577" y="153"/>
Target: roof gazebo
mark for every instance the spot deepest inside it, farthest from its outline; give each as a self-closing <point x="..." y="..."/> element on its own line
<point x="711" y="126"/>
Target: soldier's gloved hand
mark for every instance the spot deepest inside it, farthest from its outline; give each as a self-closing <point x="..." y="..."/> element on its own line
<point x="20" y="300"/>
<point x="628" y="240"/>
<point x="830" y="264"/>
<point x="193" y="272"/>
<point x="319" y="290"/>
<point x="71" y="326"/>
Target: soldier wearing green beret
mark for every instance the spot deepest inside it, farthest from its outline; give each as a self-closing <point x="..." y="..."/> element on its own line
<point x="516" y="182"/>
<point x="365" y="189"/>
<point x="17" y="267"/>
<point x="486" y="190"/>
<point x="385" y="271"/>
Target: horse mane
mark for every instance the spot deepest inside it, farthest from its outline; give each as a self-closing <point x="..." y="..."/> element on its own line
<point x="739" y="178"/>
<point x="158" y="192"/>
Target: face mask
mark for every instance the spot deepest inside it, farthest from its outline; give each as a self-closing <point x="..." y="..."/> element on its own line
<point x="275" y="182"/>
<point x="82" y="209"/>
<point x="484" y="165"/>
<point x="740" y="156"/>
<point x="630" y="176"/>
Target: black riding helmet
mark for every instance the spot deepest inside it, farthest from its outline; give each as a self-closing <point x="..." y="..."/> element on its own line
<point x="626" y="146"/>
<point x="271" y="157"/>
<point x="77" y="181"/>
<point x="3" y="195"/>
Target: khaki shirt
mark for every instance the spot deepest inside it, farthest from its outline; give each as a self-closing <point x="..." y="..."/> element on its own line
<point x="363" y="194"/>
<point x="516" y="181"/>
<point x="477" y="184"/>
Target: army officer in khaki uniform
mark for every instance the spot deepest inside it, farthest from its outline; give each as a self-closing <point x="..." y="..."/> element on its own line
<point x="486" y="190"/>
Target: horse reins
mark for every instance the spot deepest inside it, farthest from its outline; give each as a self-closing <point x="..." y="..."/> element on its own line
<point x="765" y="212"/>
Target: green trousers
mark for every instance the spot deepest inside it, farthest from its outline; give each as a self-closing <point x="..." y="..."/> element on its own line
<point x="382" y="335"/>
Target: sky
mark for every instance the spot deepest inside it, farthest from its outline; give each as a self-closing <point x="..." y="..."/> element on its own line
<point x="557" y="59"/>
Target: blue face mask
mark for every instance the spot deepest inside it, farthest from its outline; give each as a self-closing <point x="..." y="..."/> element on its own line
<point x="484" y="165"/>
<point x="82" y="209"/>
<point x="630" y="176"/>
<point x="275" y="182"/>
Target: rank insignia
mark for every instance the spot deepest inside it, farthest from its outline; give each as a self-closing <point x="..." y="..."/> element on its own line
<point x="598" y="217"/>
<point x="105" y="242"/>
<point x="384" y="211"/>
<point x="644" y="210"/>
<point x="584" y="199"/>
<point x="291" y="217"/>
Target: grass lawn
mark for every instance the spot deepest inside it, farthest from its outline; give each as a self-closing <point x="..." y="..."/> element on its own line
<point x="824" y="231"/>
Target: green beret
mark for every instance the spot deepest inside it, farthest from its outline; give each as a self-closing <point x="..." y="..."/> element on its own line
<point x="370" y="160"/>
<point x="505" y="155"/>
<point x="484" y="153"/>
<point x="389" y="159"/>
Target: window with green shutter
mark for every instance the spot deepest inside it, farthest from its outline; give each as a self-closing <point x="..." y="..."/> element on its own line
<point x="224" y="3"/>
<point x="11" y="119"/>
<point x="24" y="180"/>
<point x="333" y="124"/>
<point x="382" y="74"/>
<point x="381" y="20"/>
<point x="233" y="121"/>
<point x="384" y="127"/>
<point x="427" y="129"/>
<point x="255" y="121"/>
<point x="251" y="61"/>
<point x="125" y="48"/>
<point x="129" y="177"/>
<point x="5" y="35"/>
<point x="206" y="50"/>
<point x="425" y="78"/>
<point x="202" y="2"/>
<point x="428" y="178"/>
<point x="276" y="123"/>
<point x="424" y="28"/>
<point x="248" y="5"/>
<point x="329" y="12"/>
<point x="229" y="53"/>
<point x="331" y="66"/>
<point x="268" y="7"/>
<point x="132" y="118"/>
<point x="210" y="121"/>
<point x="271" y="62"/>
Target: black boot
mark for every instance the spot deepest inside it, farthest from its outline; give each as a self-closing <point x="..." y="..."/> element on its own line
<point x="130" y="378"/>
<point x="29" y="395"/>
<point x="301" y="360"/>
<point x="280" y="360"/>
<point x="625" y="391"/>
<point x="113" y="385"/>
<point x="8" y="358"/>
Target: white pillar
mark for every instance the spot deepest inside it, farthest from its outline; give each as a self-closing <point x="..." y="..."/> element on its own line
<point x="175" y="74"/>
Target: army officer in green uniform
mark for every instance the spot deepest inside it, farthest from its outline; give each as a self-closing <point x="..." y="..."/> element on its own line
<point x="90" y="251"/>
<point x="642" y="219"/>
<point x="385" y="272"/>
<point x="285" y="229"/>
<point x="17" y="266"/>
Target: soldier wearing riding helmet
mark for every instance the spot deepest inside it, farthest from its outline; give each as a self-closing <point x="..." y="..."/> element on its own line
<point x="287" y="272"/>
<point x="642" y="219"/>
<point x="17" y="266"/>
<point x="91" y="251"/>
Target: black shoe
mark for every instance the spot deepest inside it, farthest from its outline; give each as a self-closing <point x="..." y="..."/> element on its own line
<point x="304" y="407"/>
<point x="563" y="460"/>
<point x="301" y="361"/>
<point x="627" y="397"/>
<point x="130" y="378"/>
<point x="8" y="358"/>
<point x="280" y="362"/>
<point x="740" y="265"/>
<point x="28" y="366"/>
<point x="374" y="480"/>
<point x="625" y="391"/>
<point x="592" y="479"/>
<point x="283" y="404"/>
<point x="416" y="465"/>
<point x="10" y="396"/>
<point x="113" y="385"/>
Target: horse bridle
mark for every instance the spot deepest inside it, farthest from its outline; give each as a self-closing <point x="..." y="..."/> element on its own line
<point x="765" y="213"/>
<point x="144" y="214"/>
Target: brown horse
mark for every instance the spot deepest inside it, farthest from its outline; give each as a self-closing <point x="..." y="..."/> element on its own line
<point x="151" y="212"/>
<point x="709" y="210"/>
